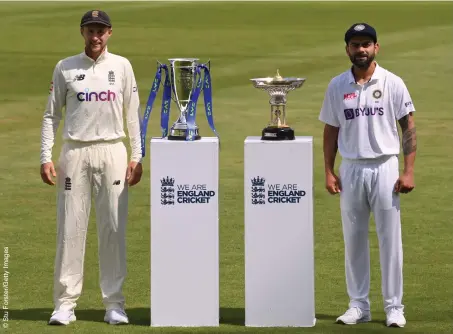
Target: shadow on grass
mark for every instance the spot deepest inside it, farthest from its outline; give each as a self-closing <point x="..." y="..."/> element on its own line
<point x="137" y="316"/>
<point x="141" y="316"/>
<point x="333" y="319"/>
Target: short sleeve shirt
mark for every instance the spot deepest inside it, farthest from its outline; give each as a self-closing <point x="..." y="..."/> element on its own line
<point x="366" y="114"/>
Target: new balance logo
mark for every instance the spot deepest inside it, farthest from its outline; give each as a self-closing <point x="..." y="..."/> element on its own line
<point x="67" y="183"/>
<point x="79" y="77"/>
<point x="116" y="182"/>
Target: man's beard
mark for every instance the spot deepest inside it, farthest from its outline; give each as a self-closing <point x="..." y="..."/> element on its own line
<point x="362" y="63"/>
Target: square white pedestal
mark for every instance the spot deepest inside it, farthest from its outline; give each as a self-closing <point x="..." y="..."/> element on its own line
<point x="279" y="246"/>
<point x="184" y="232"/>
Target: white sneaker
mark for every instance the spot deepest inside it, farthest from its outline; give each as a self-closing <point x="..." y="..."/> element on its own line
<point x="62" y="317"/>
<point x="353" y="316"/>
<point x="395" y="318"/>
<point x="116" y="317"/>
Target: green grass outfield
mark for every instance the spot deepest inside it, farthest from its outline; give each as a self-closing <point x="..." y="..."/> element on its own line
<point x="243" y="41"/>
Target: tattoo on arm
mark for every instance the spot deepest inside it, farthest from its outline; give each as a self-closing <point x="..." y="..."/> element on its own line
<point x="409" y="135"/>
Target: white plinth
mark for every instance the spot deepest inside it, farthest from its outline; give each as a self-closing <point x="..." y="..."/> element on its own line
<point x="184" y="233"/>
<point x="279" y="247"/>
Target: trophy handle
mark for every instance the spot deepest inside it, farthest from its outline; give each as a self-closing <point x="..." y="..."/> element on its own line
<point x="162" y="82"/>
<point x="208" y="65"/>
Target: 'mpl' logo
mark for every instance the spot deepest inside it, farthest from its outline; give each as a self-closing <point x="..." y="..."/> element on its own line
<point x="87" y="96"/>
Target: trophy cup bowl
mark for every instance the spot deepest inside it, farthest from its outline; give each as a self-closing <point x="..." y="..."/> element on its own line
<point x="183" y="81"/>
<point x="278" y="87"/>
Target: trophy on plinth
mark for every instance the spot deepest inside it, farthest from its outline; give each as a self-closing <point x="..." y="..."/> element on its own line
<point x="183" y="76"/>
<point x="184" y="82"/>
<point x="278" y="87"/>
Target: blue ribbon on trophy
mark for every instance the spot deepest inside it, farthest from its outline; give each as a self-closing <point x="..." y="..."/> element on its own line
<point x="189" y="114"/>
<point x="206" y="85"/>
<point x="166" y="101"/>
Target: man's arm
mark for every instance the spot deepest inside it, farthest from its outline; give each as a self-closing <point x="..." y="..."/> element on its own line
<point x="330" y="147"/>
<point x="51" y="120"/>
<point x="329" y="117"/>
<point x="409" y="141"/>
<point x="404" y="111"/>
<point x="53" y="113"/>
<point x="132" y="111"/>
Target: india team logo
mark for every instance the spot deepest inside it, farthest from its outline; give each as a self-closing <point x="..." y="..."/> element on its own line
<point x="377" y="94"/>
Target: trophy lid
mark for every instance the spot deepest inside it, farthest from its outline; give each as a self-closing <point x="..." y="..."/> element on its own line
<point x="182" y="59"/>
<point x="278" y="80"/>
<point x="278" y="77"/>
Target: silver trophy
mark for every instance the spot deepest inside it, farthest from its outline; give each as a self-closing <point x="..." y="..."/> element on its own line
<point x="278" y="87"/>
<point x="183" y="80"/>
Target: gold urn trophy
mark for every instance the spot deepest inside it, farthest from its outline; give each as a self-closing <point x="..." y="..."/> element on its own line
<point x="278" y="87"/>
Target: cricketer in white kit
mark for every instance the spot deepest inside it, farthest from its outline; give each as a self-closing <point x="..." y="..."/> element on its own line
<point x="361" y="109"/>
<point x="96" y="88"/>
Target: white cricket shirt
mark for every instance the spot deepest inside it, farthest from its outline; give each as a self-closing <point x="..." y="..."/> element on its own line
<point x="366" y="115"/>
<point x="95" y="94"/>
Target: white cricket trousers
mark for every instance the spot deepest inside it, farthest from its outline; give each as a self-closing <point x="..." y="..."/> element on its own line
<point x="85" y="169"/>
<point x="367" y="186"/>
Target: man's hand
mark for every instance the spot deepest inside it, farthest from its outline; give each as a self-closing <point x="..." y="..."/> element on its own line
<point x="134" y="173"/>
<point x="405" y="183"/>
<point x="333" y="184"/>
<point x="47" y="171"/>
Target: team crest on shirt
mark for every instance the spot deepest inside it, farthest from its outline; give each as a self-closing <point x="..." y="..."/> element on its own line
<point x="377" y="94"/>
<point x="111" y="77"/>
